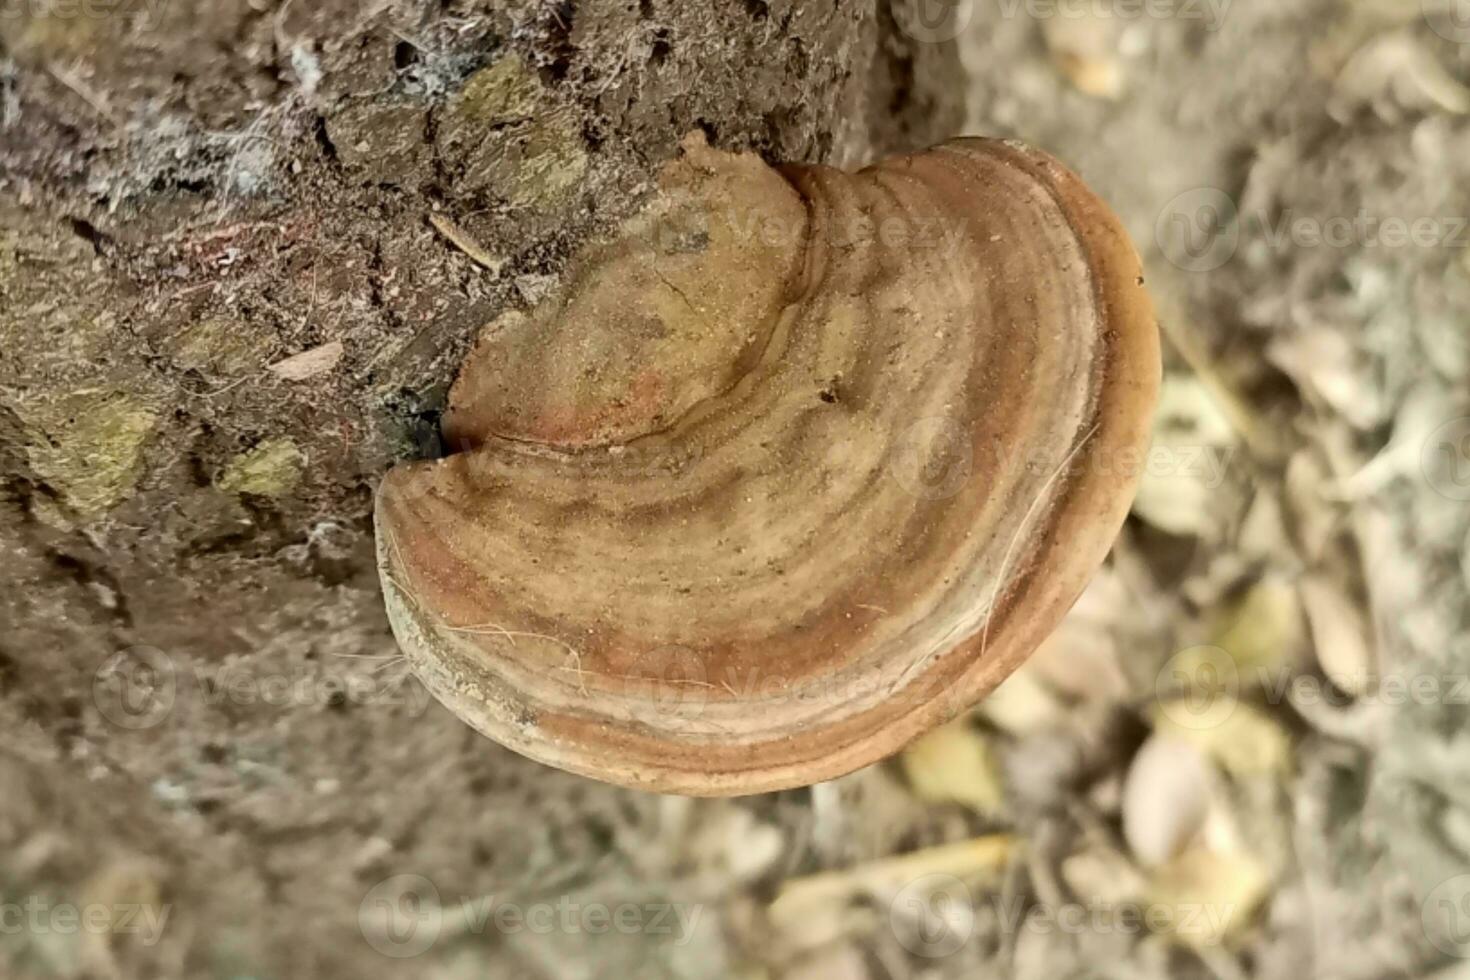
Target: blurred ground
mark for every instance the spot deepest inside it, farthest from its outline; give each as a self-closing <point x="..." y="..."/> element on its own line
<point x="1245" y="755"/>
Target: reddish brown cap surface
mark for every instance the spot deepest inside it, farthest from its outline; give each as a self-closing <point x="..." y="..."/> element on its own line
<point x="798" y="466"/>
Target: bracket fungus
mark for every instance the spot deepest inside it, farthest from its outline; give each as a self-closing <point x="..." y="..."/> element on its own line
<point x="799" y="464"/>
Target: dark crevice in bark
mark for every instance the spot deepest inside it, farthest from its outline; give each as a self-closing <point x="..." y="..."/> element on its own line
<point x="559" y="40"/>
<point x="758" y="9"/>
<point x="97" y="582"/>
<point x="324" y="141"/>
<point x="89" y="233"/>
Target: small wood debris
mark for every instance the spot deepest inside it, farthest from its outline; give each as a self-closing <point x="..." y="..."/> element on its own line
<point x="462" y="240"/>
<point x="309" y="364"/>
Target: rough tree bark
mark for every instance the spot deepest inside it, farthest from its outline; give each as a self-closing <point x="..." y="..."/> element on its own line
<point x="199" y="698"/>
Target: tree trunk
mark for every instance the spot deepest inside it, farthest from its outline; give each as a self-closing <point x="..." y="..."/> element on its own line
<point x="224" y="313"/>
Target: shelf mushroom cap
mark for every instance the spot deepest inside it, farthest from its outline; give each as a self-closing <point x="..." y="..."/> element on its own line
<point x="798" y="465"/>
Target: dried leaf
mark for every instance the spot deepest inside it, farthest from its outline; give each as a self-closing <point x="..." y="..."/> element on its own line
<point x="1080" y="660"/>
<point x="977" y="858"/>
<point x="1314" y="517"/>
<point x="1396" y="70"/>
<point x="1326" y="364"/>
<point x="1262" y="631"/>
<point x="309" y="364"/>
<point x="1085" y="50"/>
<point x="1208" y="896"/>
<point x="130" y="891"/>
<point x="954" y="764"/>
<point x="1264" y="527"/>
<point x="1101" y="876"/>
<point x="1165" y="798"/>
<point x="1244" y="742"/>
<point x="1186" y="468"/>
<point x="1339" y="636"/>
<point x="1101" y="77"/>
<point x="734" y="843"/>
<point x="840" y="962"/>
<point x="1022" y="706"/>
